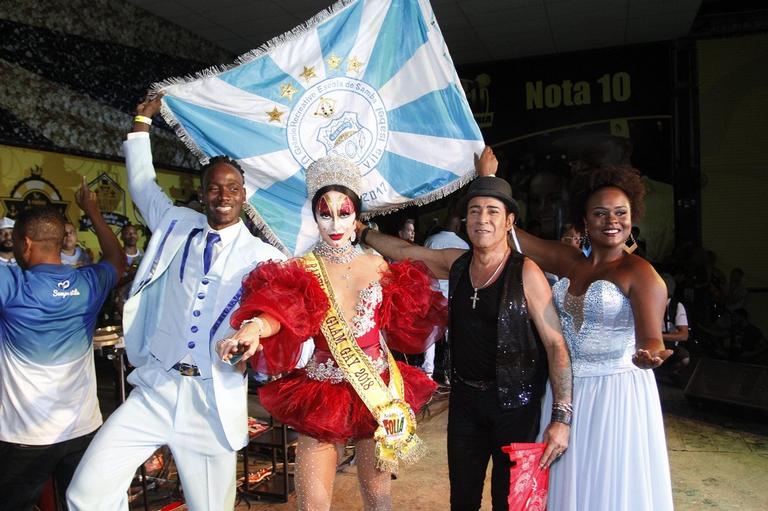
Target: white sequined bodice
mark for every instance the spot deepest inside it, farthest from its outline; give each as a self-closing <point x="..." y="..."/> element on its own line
<point x="598" y="327"/>
<point x="364" y="320"/>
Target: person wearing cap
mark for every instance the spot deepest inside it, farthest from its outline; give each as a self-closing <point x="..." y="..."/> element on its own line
<point x="184" y="291"/>
<point x="6" y="243"/>
<point x="505" y="340"/>
<point x="49" y="411"/>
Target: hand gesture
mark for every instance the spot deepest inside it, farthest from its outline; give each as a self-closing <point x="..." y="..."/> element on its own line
<point x="150" y="106"/>
<point x="86" y="199"/>
<point x="644" y="359"/>
<point x="486" y="164"/>
<point x="242" y="345"/>
<point x="556" y="437"/>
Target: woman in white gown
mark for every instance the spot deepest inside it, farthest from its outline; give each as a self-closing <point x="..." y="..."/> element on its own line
<point x="611" y="305"/>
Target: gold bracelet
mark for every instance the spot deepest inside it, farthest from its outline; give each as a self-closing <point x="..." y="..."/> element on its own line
<point x="143" y="119"/>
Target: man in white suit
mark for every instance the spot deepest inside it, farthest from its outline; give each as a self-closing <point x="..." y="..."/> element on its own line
<point x="181" y="299"/>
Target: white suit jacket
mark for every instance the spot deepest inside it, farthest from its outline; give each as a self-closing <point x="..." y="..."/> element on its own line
<point x="170" y="226"/>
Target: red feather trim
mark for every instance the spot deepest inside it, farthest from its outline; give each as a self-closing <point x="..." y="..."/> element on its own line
<point x="413" y="312"/>
<point x="291" y="295"/>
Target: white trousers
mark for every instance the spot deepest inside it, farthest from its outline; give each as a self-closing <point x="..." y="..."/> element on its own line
<point x="429" y="360"/>
<point x="165" y="408"/>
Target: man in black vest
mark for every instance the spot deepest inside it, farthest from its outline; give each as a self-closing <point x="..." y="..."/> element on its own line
<point x="505" y="340"/>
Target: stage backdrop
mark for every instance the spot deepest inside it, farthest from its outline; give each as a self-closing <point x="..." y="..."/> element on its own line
<point x="543" y="113"/>
<point x="33" y="178"/>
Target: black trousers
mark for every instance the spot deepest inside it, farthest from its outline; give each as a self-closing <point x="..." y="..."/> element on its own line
<point x="24" y="470"/>
<point x="477" y="430"/>
<point x="442" y="361"/>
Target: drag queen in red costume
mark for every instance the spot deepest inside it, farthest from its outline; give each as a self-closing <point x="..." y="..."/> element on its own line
<point x="356" y="307"/>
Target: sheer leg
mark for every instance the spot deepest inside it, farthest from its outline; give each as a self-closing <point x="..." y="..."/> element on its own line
<point x="315" y="470"/>
<point x="375" y="485"/>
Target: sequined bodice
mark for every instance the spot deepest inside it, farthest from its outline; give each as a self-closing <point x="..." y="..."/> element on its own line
<point x="598" y="327"/>
<point x="365" y="310"/>
<point x="322" y="366"/>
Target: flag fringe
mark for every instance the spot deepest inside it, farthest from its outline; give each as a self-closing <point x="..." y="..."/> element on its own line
<point x="253" y="215"/>
<point x="249" y="56"/>
<point x="183" y="135"/>
<point x="425" y="199"/>
<point x="295" y="33"/>
<point x="265" y="48"/>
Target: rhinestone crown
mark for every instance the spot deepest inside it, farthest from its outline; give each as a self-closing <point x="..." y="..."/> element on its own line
<point x="332" y="170"/>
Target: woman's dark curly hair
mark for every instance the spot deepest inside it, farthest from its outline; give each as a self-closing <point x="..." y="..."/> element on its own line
<point x="590" y="180"/>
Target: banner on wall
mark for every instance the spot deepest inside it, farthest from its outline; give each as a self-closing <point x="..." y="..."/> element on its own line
<point x="32" y="191"/>
<point x="524" y="97"/>
<point x="33" y="178"/>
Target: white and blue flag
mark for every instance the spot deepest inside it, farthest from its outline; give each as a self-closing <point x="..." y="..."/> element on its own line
<point x="371" y="80"/>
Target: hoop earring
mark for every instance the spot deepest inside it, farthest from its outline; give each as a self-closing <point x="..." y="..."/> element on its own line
<point x="353" y="237"/>
<point x="630" y="247"/>
<point x="586" y="247"/>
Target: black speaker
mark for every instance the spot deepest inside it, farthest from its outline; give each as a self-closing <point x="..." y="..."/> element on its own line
<point x="730" y="382"/>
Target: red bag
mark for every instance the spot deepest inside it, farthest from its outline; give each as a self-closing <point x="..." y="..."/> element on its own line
<point x="528" y="483"/>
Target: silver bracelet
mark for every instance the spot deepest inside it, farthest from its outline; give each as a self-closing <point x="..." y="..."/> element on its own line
<point x="254" y="320"/>
<point x="562" y="412"/>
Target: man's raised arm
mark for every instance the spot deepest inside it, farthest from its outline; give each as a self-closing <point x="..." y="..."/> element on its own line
<point x="110" y="246"/>
<point x="145" y="192"/>
<point x="438" y="261"/>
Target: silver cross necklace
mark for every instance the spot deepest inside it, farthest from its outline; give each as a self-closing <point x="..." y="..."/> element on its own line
<point x="474" y="297"/>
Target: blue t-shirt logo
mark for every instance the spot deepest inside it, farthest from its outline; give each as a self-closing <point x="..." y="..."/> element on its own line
<point x="63" y="285"/>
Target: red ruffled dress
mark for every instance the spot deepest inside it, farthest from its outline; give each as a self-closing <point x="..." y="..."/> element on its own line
<point x="316" y="400"/>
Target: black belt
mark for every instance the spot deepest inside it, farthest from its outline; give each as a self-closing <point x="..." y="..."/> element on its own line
<point x="186" y="369"/>
<point x="476" y="384"/>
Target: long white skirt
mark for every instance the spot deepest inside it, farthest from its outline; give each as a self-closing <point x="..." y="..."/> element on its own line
<point x="617" y="454"/>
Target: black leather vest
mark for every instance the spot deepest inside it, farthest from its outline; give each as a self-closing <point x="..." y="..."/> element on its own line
<point x="521" y="360"/>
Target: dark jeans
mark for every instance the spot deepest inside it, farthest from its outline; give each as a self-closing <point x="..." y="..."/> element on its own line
<point x="24" y="469"/>
<point x="477" y="430"/>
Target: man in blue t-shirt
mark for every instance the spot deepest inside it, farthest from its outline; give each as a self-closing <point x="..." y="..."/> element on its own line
<point x="48" y="312"/>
